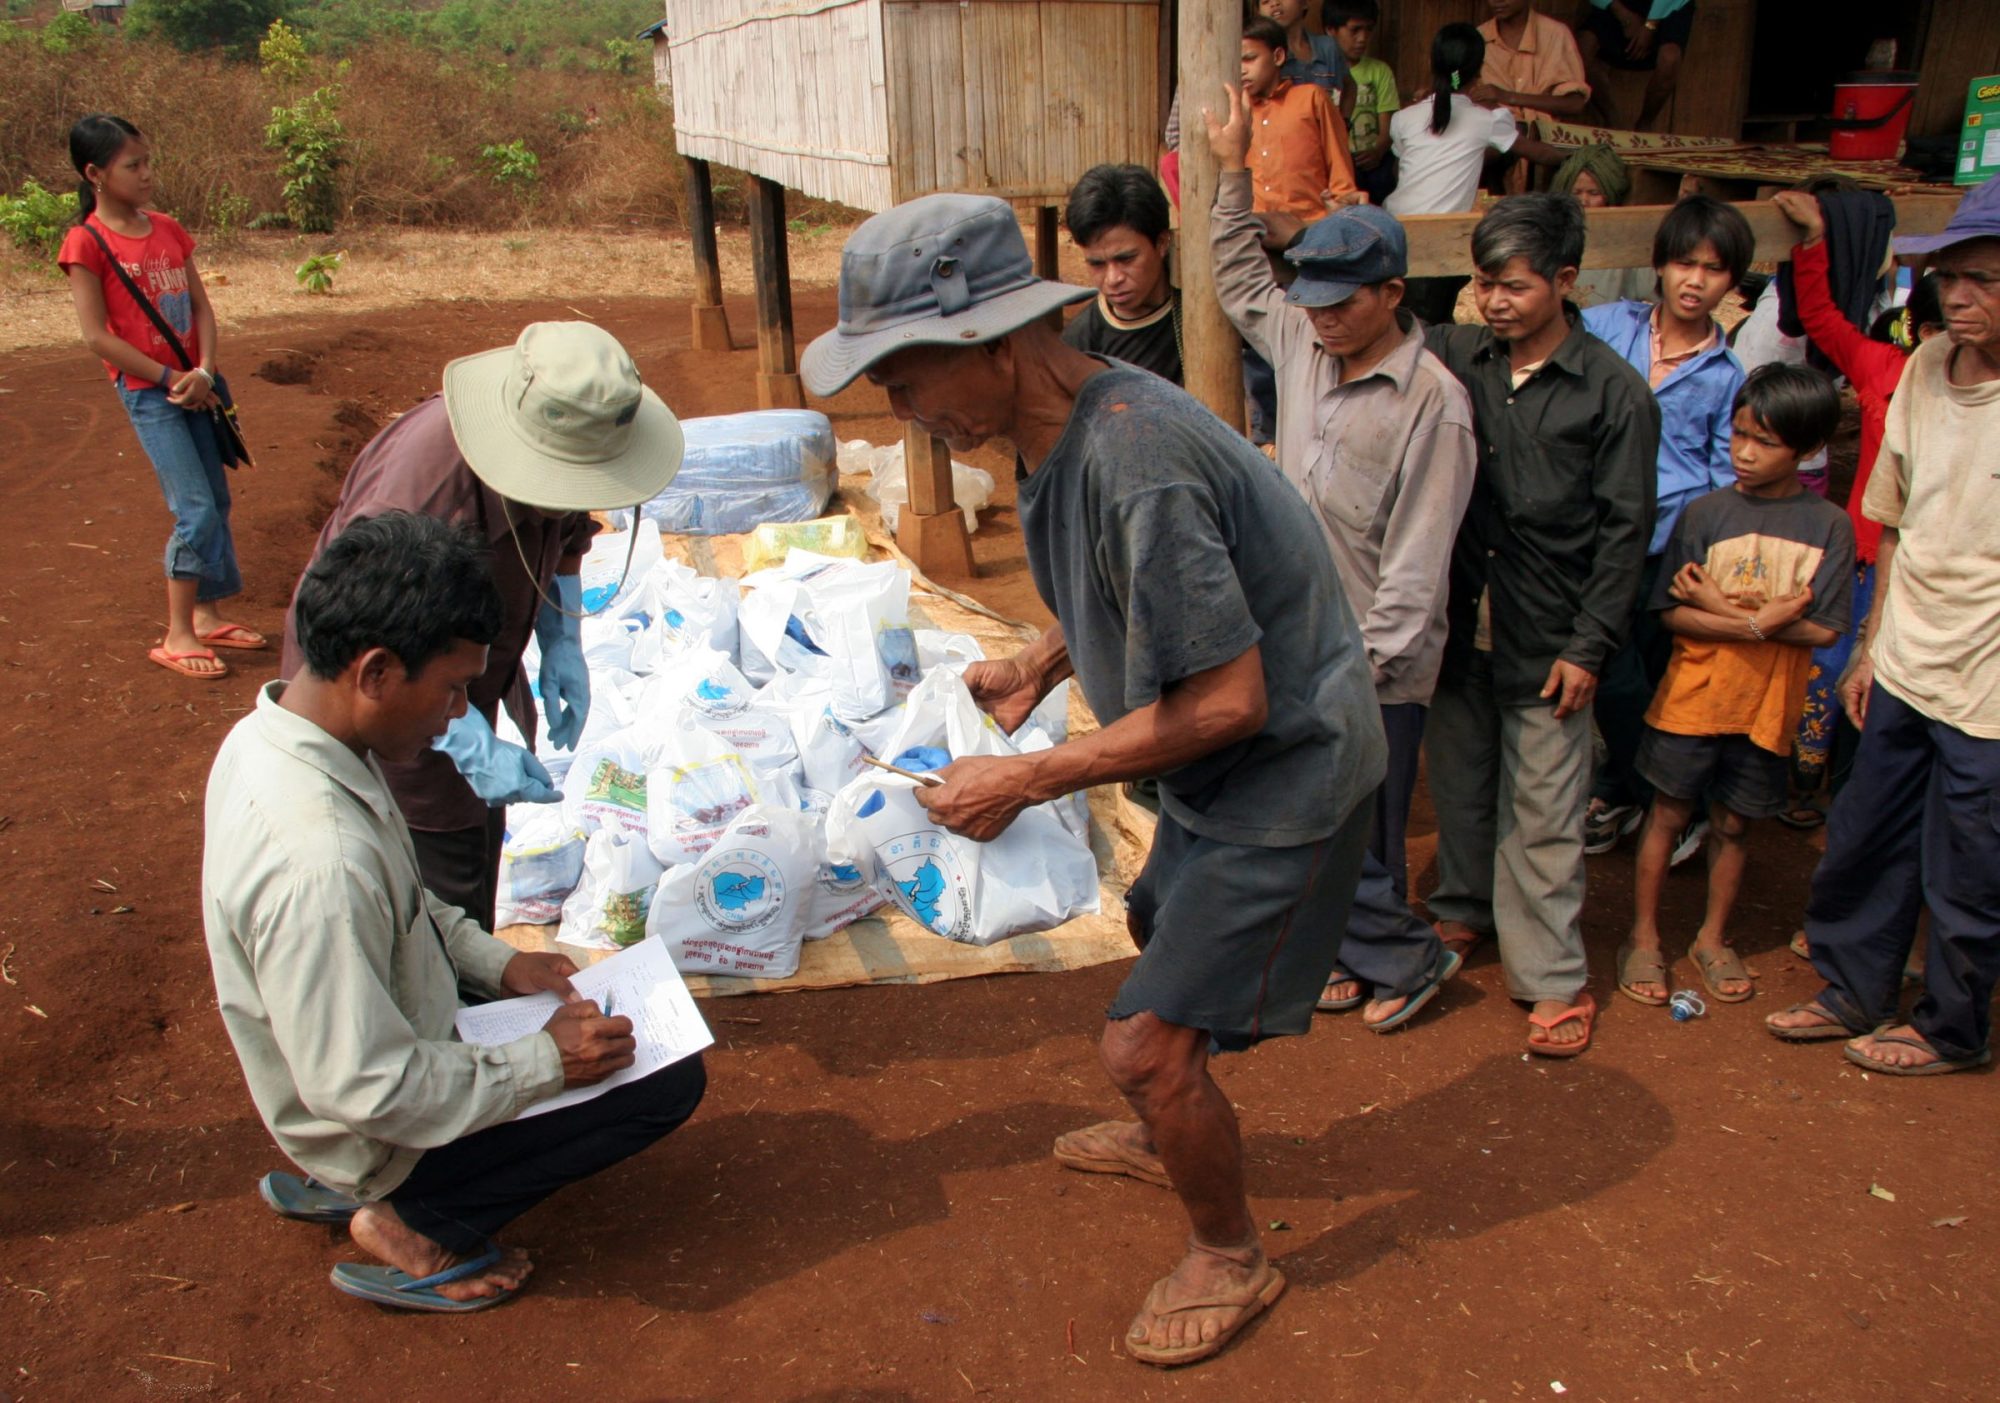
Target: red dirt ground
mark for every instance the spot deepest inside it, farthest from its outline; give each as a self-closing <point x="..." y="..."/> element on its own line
<point x="865" y="1208"/>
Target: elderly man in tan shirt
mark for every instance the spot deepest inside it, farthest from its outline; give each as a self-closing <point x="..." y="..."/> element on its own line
<point x="1916" y="825"/>
<point x="1377" y="436"/>
<point x="337" y="973"/>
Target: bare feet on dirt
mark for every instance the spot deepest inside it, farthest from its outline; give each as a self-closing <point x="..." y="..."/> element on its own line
<point x="377" y="1230"/>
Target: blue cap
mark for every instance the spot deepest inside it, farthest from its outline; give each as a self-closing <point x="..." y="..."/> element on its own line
<point x="1977" y="217"/>
<point x="1352" y="248"/>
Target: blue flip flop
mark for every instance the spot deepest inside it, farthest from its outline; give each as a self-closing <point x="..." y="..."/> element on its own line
<point x="1326" y="1005"/>
<point x="386" y="1286"/>
<point x="305" y="1200"/>
<point x="1445" y="970"/>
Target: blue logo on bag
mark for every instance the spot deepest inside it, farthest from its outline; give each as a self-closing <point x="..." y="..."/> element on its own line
<point x="739" y="890"/>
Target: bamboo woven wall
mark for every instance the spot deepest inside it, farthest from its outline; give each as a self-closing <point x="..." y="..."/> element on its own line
<point x="874" y="101"/>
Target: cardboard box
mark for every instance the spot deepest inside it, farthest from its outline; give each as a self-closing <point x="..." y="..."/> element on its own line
<point x="1979" y="141"/>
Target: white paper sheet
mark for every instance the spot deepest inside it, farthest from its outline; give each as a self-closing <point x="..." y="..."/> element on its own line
<point x="639" y="983"/>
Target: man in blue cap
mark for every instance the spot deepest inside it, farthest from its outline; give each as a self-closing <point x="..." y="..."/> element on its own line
<point x="1918" y="824"/>
<point x="1377" y="437"/>
<point x="1198" y="607"/>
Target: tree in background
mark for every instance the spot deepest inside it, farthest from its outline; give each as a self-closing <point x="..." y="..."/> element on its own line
<point x="205" y="24"/>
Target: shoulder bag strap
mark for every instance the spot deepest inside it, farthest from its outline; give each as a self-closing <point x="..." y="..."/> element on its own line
<point x="145" y="303"/>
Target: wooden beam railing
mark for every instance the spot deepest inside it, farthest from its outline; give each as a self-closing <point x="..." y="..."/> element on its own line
<point x="1441" y="244"/>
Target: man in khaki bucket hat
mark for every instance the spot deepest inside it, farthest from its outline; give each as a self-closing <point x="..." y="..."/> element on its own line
<point x="525" y="442"/>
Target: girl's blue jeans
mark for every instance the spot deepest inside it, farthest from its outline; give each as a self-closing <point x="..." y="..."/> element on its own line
<point x="189" y="465"/>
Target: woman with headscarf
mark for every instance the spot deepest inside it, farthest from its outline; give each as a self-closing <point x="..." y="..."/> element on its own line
<point x="1597" y="178"/>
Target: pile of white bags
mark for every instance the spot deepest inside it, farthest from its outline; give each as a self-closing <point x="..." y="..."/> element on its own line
<point x="718" y="799"/>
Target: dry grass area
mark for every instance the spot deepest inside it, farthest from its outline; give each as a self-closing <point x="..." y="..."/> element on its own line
<point x="251" y="278"/>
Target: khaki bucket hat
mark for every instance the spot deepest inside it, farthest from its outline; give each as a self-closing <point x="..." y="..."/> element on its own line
<point x="560" y="421"/>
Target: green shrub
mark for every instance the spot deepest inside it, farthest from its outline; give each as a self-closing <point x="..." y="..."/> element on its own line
<point x="190" y="25"/>
<point x="312" y="145"/>
<point x="282" y="55"/>
<point x="36" y="219"/>
<point x="228" y="212"/>
<point x="315" y="275"/>
<point x="513" y="167"/>
<point x="67" y="32"/>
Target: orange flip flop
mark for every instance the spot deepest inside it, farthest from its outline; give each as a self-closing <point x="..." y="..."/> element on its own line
<point x="235" y="636"/>
<point x="177" y="662"/>
<point x="1585" y="1008"/>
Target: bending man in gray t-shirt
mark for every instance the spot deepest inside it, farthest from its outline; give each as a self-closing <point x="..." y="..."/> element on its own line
<point x="1198" y="608"/>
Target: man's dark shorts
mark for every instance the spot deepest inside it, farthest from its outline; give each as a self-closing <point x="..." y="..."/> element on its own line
<point x="1611" y="40"/>
<point x="1238" y="941"/>
<point x="1734" y="771"/>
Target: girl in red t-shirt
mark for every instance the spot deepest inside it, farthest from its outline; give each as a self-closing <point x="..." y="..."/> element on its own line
<point x="162" y="397"/>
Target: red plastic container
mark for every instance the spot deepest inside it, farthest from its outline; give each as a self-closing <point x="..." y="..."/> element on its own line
<point x="1871" y="111"/>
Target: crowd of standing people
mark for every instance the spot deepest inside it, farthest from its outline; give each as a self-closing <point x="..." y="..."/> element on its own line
<point x="1573" y="557"/>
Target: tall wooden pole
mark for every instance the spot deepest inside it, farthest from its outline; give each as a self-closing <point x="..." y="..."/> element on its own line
<point x="1211" y="37"/>
<point x="711" y="323"/>
<point x="770" y="268"/>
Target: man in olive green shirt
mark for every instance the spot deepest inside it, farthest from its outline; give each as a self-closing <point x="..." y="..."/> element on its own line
<point x="337" y="973"/>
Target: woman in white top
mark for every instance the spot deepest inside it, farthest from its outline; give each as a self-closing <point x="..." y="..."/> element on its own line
<point x="1441" y="144"/>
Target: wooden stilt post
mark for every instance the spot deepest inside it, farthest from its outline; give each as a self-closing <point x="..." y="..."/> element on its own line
<point x="711" y="322"/>
<point x="1047" y="260"/>
<point x="931" y="529"/>
<point x="778" y="384"/>
<point x="1211" y="41"/>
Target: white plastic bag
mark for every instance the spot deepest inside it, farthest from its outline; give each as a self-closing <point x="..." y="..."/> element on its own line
<point x="608" y="588"/>
<point x="702" y="688"/>
<point x="1036" y="875"/>
<point x="844" y="620"/>
<point x="842" y="895"/>
<point x="697" y="788"/>
<point x="541" y="863"/>
<point x="889" y="481"/>
<point x="683" y="611"/>
<point x="605" y="787"/>
<point x="608" y="908"/>
<point x="744" y="908"/>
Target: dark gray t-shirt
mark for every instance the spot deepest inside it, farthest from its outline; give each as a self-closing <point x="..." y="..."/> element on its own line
<point x="1166" y="545"/>
<point x="1762" y="548"/>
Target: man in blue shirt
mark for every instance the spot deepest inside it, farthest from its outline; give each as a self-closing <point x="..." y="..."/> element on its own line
<point x="1700" y="252"/>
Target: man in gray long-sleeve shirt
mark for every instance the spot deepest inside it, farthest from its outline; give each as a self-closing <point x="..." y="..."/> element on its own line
<point x="1377" y="436"/>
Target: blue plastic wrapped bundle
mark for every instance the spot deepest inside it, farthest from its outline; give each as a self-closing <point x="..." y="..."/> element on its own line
<point x="742" y="470"/>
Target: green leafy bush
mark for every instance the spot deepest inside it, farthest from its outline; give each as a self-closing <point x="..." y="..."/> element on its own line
<point x="203" y="24"/>
<point x="315" y="275"/>
<point x="513" y="166"/>
<point x="68" y="32"/>
<point x="312" y="146"/>
<point x="36" y="219"/>
<point x="282" y="55"/>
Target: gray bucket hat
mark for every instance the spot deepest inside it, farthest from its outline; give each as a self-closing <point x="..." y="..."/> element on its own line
<point x="943" y="270"/>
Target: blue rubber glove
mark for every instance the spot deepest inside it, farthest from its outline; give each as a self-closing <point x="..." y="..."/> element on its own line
<point x="565" y="681"/>
<point x="498" y="772"/>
